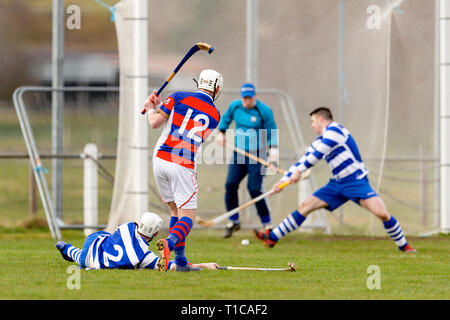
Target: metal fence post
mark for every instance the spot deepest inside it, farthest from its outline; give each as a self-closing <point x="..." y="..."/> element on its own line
<point x="251" y="65"/>
<point x="32" y="193"/>
<point x="57" y="103"/>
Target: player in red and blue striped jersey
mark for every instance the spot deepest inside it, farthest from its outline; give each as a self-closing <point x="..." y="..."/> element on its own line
<point x="189" y="119"/>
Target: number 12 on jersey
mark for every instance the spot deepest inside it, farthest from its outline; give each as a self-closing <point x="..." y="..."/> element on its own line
<point x="192" y="132"/>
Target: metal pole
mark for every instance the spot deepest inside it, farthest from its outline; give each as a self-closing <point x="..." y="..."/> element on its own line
<point x="340" y="116"/>
<point x="251" y="75"/>
<point x="251" y="70"/>
<point x="32" y="193"/>
<point x="140" y="92"/>
<point x="437" y="114"/>
<point x="36" y="162"/>
<point x="341" y="60"/>
<point x="57" y="103"/>
<point x="445" y="114"/>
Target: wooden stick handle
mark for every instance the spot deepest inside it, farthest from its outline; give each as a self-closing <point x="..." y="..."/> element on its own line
<point x="236" y="210"/>
<point x="257" y="159"/>
<point x="253" y="201"/>
<point x="198" y="46"/>
<point x="292" y="267"/>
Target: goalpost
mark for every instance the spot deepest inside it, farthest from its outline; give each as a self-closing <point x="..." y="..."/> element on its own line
<point x="444" y="19"/>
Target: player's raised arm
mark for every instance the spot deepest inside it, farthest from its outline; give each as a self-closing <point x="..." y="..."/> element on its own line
<point x="155" y="118"/>
<point x="320" y="148"/>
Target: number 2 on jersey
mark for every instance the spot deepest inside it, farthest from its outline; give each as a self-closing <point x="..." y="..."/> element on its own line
<point x="109" y="257"/>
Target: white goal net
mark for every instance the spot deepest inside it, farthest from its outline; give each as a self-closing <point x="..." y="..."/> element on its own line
<point x="130" y="193"/>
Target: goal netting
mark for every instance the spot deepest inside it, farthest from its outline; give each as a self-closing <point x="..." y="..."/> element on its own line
<point x="371" y="61"/>
<point x="130" y="192"/>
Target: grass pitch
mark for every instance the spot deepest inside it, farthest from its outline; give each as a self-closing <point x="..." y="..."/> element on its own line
<point x="328" y="268"/>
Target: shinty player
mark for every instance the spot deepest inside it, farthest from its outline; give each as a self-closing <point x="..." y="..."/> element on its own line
<point x="126" y="248"/>
<point x="189" y="118"/>
<point x="349" y="182"/>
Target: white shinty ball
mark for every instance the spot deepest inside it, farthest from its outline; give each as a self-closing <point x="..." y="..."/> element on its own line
<point x="245" y="242"/>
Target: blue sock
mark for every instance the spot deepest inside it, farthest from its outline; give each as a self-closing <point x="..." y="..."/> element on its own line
<point x="171" y="241"/>
<point x="173" y="220"/>
<point x="234" y="218"/>
<point x="289" y="224"/>
<point x="180" y="258"/>
<point x="177" y="237"/>
<point x="178" y="234"/>
<point x="73" y="252"/>
<point x="394" y="230"/>
<point x="265" y="219"/>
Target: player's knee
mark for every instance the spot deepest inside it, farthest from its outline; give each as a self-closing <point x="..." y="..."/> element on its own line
<point x="254" y="192"/>
<point x="382" y="214"/>
<point x="304" y="208"/>
<point x="231" y="186"/>
<point x="310" y="205"/>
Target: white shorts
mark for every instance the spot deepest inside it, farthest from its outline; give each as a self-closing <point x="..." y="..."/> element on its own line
<point x="176" y="183"/>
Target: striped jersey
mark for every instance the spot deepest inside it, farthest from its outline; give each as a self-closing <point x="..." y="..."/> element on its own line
<point x="191" y="119"/>
<point x="124" y="249"/>
<point x="339" y="149"/>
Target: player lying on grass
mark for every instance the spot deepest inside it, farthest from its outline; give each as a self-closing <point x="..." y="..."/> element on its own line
<point x="349" y="181"/>
<point x="188" y="119"/>
<point x="126" y="248"/>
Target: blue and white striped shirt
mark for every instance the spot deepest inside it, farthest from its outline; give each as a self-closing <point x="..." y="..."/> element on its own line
<point x="124" y="249"/>
<point x="339" y="148"/>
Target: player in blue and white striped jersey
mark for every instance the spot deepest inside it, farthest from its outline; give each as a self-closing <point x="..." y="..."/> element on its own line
<point x="336" y="145"/>
<point x="126" y="248"/>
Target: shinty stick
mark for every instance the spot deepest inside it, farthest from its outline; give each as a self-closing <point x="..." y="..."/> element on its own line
<point x="292" y="267"/>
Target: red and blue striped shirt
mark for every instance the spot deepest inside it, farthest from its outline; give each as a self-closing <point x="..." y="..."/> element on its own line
<point x="191" y="119"/>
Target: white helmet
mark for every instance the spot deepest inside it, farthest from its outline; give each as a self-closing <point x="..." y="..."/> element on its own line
<point x="211" y="80"/>
<point x="150" y="224"/>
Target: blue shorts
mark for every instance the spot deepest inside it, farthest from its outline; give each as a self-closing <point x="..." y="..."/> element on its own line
<point x="336" y="193"/>
<point x="87" y="243"/>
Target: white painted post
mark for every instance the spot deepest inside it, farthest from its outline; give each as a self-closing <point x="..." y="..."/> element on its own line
<point x="57" y="104"/>
<point x="90" y="197"/>
<point x="251" y="65"/>
<point x="445" y="114"/>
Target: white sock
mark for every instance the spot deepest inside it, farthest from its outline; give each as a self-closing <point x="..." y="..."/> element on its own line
<point x="74" y="253"/>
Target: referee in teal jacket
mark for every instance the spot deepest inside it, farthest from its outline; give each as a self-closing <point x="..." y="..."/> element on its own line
<point x="256" y="133"/>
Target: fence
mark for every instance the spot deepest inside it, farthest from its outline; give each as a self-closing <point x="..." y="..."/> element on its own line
<point x="287" y="113"/>
<point x="422" y="167"/>
<point x="420" y="171"/>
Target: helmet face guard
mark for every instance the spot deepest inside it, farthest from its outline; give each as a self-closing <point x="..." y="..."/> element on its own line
<point x="154" y="235"/>
<point x="216" y="93"/>
<point x="150" y="225"/>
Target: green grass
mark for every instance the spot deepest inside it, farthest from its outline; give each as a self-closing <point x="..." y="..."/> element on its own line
<point x="328" y="268"/>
